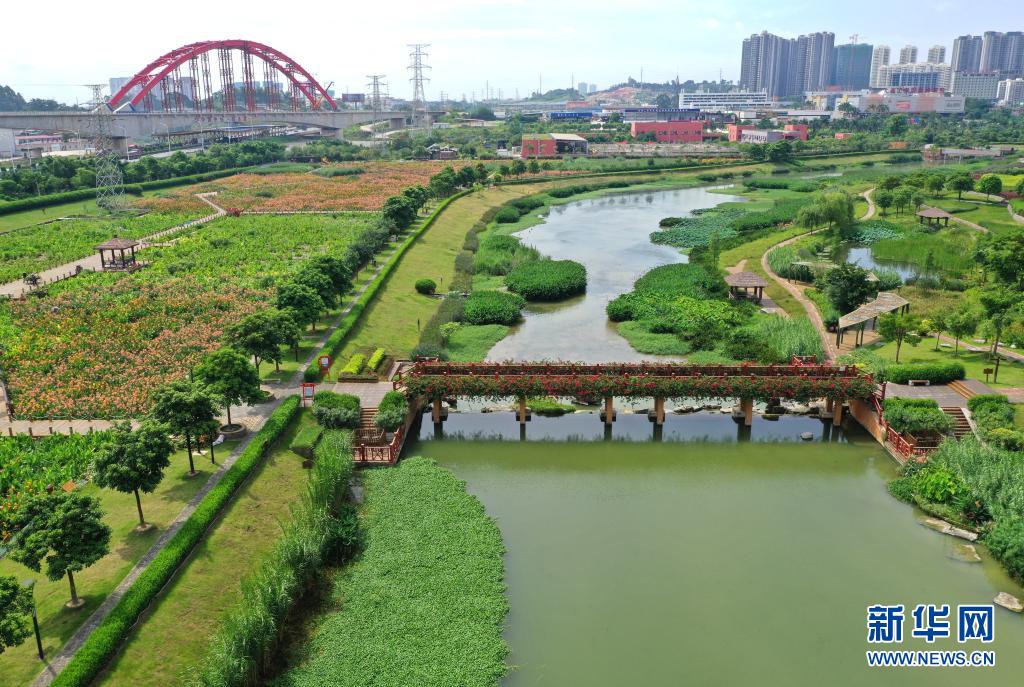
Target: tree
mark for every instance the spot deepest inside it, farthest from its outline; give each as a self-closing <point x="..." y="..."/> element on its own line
<point x="938" y="322"/>
<point x="134" y="461"/>
<point x="229" y="376"/>
<point x="258" y="335"/>
<point x="999" y="303"/>
<point x="400" y="210"/>
<point x="899" y="327"/>
<point x="289" y="333"/>
<point x="15" y="609"/>
<point x="961" y="324"/>
<point x="960" y="182"/>
<point x="518" y="168"/>
<point x="318" y="281"/>
<point x="990" y="185"/>
<point x="780" y="151"/>
<point x="884" y="200"/>
<point x="836" y="208"/>
<point x="186" y="409"/>
<point x="1019" y="188"/>
<point x="64" y="530"/>
<point x="303" y="302"/>
<point x="335" y="270"/>
<point x="890" y="182"/>
<point x="664" y="100"/>
<point x="935" y="183"/>
<point x="1003" y="255"/>
<point x="534" y="167"/>
<point x="902" y="197"/>
<point x="847" y="287"/>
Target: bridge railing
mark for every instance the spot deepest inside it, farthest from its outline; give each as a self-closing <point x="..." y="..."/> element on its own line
<point x="425" y="368"/>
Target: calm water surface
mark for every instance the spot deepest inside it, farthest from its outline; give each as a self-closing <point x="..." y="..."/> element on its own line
<point x="610" y="236"/>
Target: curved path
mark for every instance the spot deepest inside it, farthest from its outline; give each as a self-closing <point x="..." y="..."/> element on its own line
<point x="1016" y="218"/>
<point x="798" y="293"/>
<point x="960" y="220"/>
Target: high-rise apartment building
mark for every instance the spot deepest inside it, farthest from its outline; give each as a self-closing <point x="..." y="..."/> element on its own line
<point x="879" y="59"/>
<point x="937" y="54"/>
<point x="783" y="67"/>
<point x="966" y="56"/>
<point x="908" y="54"/>
<point x="917" y="75"/>
<point x="1002" y="52"/>
<point x="1011" y="92"/>
<point x="851" y="66"/>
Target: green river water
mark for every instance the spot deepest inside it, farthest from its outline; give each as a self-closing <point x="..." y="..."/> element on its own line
<point x="712" y="555"/>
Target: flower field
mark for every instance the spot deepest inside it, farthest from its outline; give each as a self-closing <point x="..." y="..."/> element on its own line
<point x="28" y="466"/>
<point x="293" y="192"/>
<point x="98" y="345"/>
<point x="36" y="248"/>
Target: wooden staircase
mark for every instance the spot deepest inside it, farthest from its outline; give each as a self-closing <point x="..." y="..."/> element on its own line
<point x="368" y="431"/>
<point x="962" y="389"/>
<point x="961" y="427"/>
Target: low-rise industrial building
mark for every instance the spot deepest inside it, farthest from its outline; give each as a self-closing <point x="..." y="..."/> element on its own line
<point x="725" y="102"/>
<point x="735" y="131"/>
<point x="761" y="136"/>
<point x="670" y="132"/>
<point x="552" y="145"/>
<point x="907" y="103"/>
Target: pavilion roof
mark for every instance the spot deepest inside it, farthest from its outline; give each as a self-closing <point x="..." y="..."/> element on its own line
<point x="933" y="213"/>
<point x="745" y="280"/>
<point x="117" y="243"/>
<point x="886" y="302"/>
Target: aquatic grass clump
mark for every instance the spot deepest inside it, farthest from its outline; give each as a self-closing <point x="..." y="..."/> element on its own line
<point x="492" y="307"/>
<point x="547" y="280"/>
<point x="425" y="602"/>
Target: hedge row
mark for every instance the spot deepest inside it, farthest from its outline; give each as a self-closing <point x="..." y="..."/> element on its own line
<point x="994" y="416"/>
<point x="8" y="207"/>
<point x="936" y="373"/>
<point x="100" y="646"/>
<point x="337" y="339"/>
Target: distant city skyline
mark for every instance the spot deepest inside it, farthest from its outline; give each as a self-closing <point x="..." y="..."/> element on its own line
<point x="511" y="45"/>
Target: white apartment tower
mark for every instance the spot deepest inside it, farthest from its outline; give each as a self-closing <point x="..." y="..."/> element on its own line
<point x="879" y="59"/>
<point x="908" y="54"/>
<point x="937" y="54"/>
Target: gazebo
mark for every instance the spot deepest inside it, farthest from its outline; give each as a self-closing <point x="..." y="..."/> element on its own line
<point x="742" y="283"/>
<point x="886" y="302"/>
<point x="933" y="217"/>
<point x="117" y="254"/>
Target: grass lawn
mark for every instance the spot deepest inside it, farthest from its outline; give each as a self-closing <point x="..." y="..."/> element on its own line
<point x="20" y="665"/>
<point x="173" y="635"/>
<point x="993" y="217"/>
<point x="25" y="218"/>
<point x="1018" y="417"/>
<point x="470" y="343"/>
<point x="1011" y="374"/>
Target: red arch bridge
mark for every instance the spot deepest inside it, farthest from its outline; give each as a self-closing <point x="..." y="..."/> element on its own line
<point x="802" y="380"/>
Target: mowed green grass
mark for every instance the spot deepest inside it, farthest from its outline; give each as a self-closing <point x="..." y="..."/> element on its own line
<point x="20" y="665"/>
<point x="1011" y="374"/>
<point x="470" y="343"/>
<point x="174" y="634"/>
<point x="25" y="218"/>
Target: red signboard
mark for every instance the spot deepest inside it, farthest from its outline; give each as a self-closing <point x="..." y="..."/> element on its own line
<point x="325" y="363"/>
<point x="308" y="390"/>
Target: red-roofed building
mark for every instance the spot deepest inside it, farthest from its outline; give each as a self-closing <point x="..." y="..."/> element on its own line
<point x="795" y="131"/>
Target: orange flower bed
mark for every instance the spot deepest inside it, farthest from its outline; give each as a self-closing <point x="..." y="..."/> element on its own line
<point x="308" y="191"/>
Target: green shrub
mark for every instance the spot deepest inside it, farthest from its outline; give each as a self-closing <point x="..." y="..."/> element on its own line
<point x="683" y="279"/>
<point x="493" y="307"/>
<point x="937" y="484"/>
<point x="547" y="280"/>
<point x="1006" y="542"/>
<point x="507" y="215"/>
<point x="336" y="411"/>
<point x="101" y="644"/>
<point x="936" y="372"/>
<point x="426" y="286"/>
<point x="916" y="415"/>
<point x="354" y="365"/>
<point x="902" y="488"/>
<point x="323" y="530"/>
<point x="305" y="441"/>
<point x="500" y="253"/>
<point x="376" y="359"/>
<point x="766" y="183"/>
<point x="311" y="374"/>
<point x="549" y="407"/>
<point x="774" y="340"/>
<point x="392" y="411"/>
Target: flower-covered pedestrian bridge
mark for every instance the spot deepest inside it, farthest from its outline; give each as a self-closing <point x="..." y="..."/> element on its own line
<point x="801" y="380"/>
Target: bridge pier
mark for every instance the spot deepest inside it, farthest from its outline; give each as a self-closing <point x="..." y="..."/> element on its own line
<point x="837" y="414"/>
<point x="523" y="414"/>
<point x="608" y="414"/>
<point x="659" y="412"/>
<point x="747" y="406"/>
<point x="435" y="412"/>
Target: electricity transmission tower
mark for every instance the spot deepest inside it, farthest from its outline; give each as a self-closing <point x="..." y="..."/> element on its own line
<point x="109" y="183"/>
<point x="378" y="91"/>
<point x="419" y="98"/>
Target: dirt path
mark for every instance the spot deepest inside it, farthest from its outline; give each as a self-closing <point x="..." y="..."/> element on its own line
<point x="871" y="204"/>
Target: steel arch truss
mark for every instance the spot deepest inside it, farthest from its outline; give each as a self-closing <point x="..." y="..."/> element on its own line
<point x="165" y="69"/>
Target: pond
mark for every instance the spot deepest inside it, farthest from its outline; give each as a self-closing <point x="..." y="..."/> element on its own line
<point x="709" y="559"/>
<point x="861" y="256"/>
<point x="610" y="236"/>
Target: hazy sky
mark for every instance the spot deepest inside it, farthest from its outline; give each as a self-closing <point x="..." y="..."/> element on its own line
<point x="508" y="42"/>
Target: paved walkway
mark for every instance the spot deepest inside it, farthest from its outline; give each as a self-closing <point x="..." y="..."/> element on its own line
<point x="18" y="288"/>
<point x="871" y="204"/>
<point x="1016" y="218"/>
